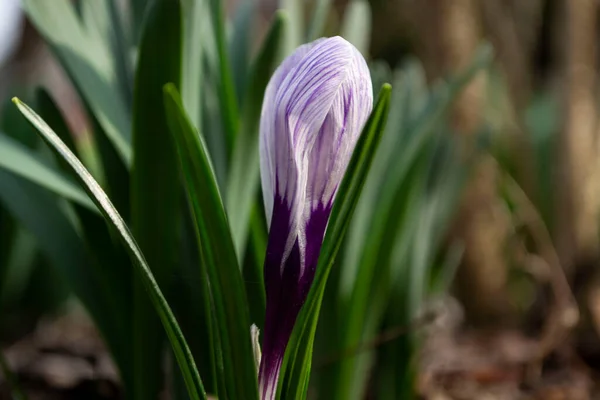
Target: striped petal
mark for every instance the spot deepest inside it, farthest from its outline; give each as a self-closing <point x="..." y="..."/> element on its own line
<point x="314" y="109"/>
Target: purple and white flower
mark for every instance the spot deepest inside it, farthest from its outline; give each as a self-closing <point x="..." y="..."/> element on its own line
<point x="314" y="109"/>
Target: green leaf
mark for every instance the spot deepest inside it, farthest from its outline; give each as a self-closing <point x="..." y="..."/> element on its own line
<point x="104" y="19"/>
<point x="370" y="197"/>
<point x="298" y="356"/>
<point x="7" y="238"/>
<point x="14" y="126"/>
<point x="112" y="173"/>
<point x="413" y="283"/>
<point x="21" y="161"/>
<point x="212" y="128"/>
<point x="366" y="289"/>
<point x="373" y="202"/>
<point x="217" y="254"/>
<point x="105" y="256"/>
<point x="138" y="9"/>
<point x="193" y="71"/>
<point x="373" y="281"/>
<point x="190" y="297"/>
<point x="242" y="186"/>
<point x="192" y="305"/>
<point x="253" y="264"/>
<point x="318" y="20"/>
<point x="294" y="35"/>
<point x="178" y="343"/>
<point x="87" y="61"/>
<point x="240" y="45"/>
<point x="57" y="238"/>
<point x="382" y="210"/>
<point x="243" y="180"/>
<point x="18" y="249"/>
<point x="50" y="112"/>
<point x="155" y="185"/>
<point x="227" y="96"/>
<point x="356" y="26"/>
<point x="115" y="268"/>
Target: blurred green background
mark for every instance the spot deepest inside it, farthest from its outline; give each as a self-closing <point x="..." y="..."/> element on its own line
<point x="470" y="267"/>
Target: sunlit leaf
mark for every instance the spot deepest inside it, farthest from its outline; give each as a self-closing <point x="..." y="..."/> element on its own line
<point x="21" y="161"/>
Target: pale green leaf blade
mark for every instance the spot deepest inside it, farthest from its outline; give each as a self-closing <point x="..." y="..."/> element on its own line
<point x="356" y="26"/>
<point x="193" y="58"/>
<point x="318" y="20"/>
<point x="19" y="160"/>
<point x="294" y="35"/>
<point x="88" y="62"/>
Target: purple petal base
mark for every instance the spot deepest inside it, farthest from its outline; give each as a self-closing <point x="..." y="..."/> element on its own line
<point x="286" y="293"/>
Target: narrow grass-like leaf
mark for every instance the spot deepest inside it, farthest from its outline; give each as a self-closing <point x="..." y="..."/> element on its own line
<point x="8" y="241"/>
<point x="243" y="180"/>
<point x="104" y="19"/>
<point x="50" y="113"/>
<point x="373" y="282"/>
<point x="369" y="200"/>
<point x="212" y="125"/>
<point x="371" y="285"/>
<point x="356" y="26"/>
<point x="87" y="60"/>
<point x="105" y="256"/>
<point x="383" y="208"/>
<point x="120" y="46"/>
<point x="414" y="282"/>
<point x="111" y="171"/>
<point x="193" y="71"/>
<point x="319" y="17"/>
<point x="190" y="294"/>
<point x="240" y="45"/>
<point x="242" y="186"/>
<point x="155" y="187"/>
<point x="213" y="128"/>
<point x="218" y="255"/>
<point x="56" y="237"/>
<point x="227" y="96"/>
<point x="298" y="356"/>
<point x="371" y="204"/>
<point x="137" y="11"/>
<point x="18" y="259"/>
<point x="180" y="347"/>
<point x="294" y="35"/>
<point x="191" y="301"/>
<point x="114" y="266"/>
<point x="253" y="265"/>
<point x="21" y="161"/>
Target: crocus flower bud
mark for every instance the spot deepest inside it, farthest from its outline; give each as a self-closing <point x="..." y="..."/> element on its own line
<point x="314" y="109"/>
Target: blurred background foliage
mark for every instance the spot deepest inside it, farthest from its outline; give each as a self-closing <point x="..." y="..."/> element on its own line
<point x="470" y="265"/>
